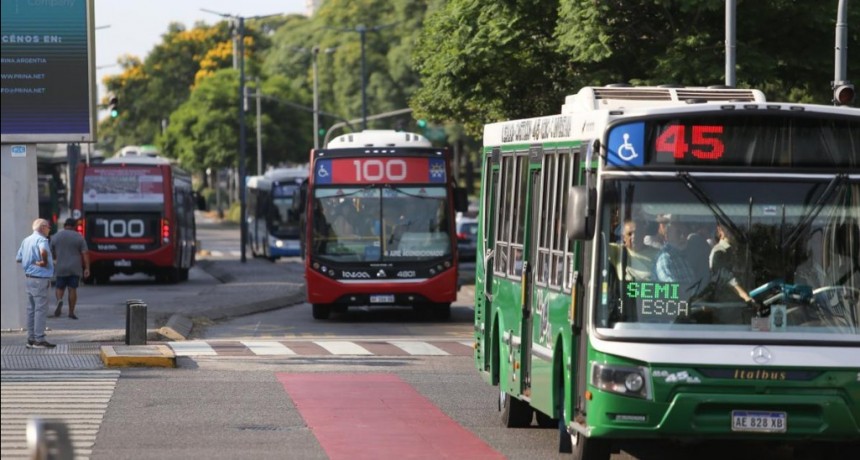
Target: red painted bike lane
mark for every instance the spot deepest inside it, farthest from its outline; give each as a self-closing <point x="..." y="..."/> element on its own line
<point x="378" y="416"/>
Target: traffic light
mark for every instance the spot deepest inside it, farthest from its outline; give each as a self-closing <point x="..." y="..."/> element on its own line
<point x="321" y="131"/>
<point x="422" y="123"/>
<point x="113" y="106"/>
<point x="843" y="93"/>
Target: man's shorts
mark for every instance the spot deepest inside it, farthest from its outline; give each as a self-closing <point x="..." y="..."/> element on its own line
<point x="68" y="281"/>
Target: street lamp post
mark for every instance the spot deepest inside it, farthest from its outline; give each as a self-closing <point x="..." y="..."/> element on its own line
<point x="362" y="31"/>
<point x="243" y="225"/>
<point x="239" y="59"/>
<point x="316" y="52"/>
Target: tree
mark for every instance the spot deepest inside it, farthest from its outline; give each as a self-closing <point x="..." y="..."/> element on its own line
<point x="487" y="60"/>
<point x="202" y="132"/>
<point x="391" y="79"/>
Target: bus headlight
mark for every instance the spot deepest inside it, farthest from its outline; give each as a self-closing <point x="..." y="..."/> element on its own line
<point x="625" y="380"/>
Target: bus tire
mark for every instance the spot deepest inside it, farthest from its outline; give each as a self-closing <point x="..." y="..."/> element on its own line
<point x="515" y="413"/>
<point x="183" y="274"/>
<point x="545" y="421"/>
<point x="101" y="277"/>
<point x="321" y="310"/>
<point x="585" y="448"/>
<point x="442" y="311"/>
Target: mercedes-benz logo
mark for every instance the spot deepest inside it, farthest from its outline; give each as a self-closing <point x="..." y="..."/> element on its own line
<point x="761" y="355"/>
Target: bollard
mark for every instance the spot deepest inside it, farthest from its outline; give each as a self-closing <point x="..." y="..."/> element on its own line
<point x="48" y="439"/>
<point x="135" y="322"/>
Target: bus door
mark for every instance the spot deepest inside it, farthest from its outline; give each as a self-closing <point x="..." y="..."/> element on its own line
<point x="484" y="266"/>
<point x="530" y="223"/>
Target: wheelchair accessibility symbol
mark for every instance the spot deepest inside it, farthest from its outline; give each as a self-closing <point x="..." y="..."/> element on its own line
<point x="627" y="147"/>
<point x="321" y="171"/>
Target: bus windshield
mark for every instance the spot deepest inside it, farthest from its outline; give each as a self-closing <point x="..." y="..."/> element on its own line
<point x="284" y="221"/>
<point x="726" y="259"/>
<point x="381" y="224"/>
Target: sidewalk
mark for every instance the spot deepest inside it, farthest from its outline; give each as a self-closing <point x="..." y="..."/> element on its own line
<point x="228" y="288"/>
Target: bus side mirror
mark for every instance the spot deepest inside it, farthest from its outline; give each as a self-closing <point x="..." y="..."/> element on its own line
<point x="580" y="213"/>
<point x="300" y="197"/>
<point x="461" y="199"/>
<point x="200" y="201"/>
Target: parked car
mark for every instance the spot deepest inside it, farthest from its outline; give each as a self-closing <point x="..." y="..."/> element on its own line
<point x="467" y="238"/>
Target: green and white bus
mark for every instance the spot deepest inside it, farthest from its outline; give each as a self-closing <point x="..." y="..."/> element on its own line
<point x="673" y="264"/>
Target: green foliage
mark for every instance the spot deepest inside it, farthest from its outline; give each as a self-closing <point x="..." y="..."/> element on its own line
<point x="459" y="64"/>
<point x="484" y="61"/>
<point x="488" y="60"/>
<point x="203" y="131"/>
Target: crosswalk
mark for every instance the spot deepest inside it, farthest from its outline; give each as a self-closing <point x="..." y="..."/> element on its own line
<point x="289" y="348"/>
<point x="77" y="398"/>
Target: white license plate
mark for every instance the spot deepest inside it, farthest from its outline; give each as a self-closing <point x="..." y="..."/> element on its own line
<point x="122" y="263"/>
<point x="386" y="298"/>
<point x="759" y="421"/>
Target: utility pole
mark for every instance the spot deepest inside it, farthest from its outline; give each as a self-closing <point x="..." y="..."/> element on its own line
<point x="362" y="31"/>
<point x="239" y="60"/>
<point x="316" y="52"/>
<point x="731" y="15"/>
<point x="257" y="94"/>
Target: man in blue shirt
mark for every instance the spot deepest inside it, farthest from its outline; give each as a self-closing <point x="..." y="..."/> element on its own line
<point x="35" y="256"/>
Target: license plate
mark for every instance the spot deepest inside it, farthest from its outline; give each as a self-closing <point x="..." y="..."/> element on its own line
<point x="759" y="421"/>
<point x="382" y="298"/>
<point x="122" y="263"/>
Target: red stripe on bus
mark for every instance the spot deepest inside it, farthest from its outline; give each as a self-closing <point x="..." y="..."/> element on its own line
<point x="373" y="416"/>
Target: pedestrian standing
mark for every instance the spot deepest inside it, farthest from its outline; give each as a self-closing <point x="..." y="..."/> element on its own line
<point x="72" y="262"/>
<point x="34" y="255"/>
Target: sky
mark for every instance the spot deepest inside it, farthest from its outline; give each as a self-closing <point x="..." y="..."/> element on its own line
<point x="135" y="26"/>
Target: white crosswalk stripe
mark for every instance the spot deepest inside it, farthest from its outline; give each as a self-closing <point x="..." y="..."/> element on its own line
<point x="268" y="348"/>
<point x="419" y="348"/>
<point x="343" y="348"/>
<point x="192" y="348"/>
<point x="77" y="398"/>
<point x="322" y="347"/>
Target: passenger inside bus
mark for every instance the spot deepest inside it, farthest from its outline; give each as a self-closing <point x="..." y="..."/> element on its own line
<point x="671" y="264"/>
<point x="632" y="257"/>
<point x="722" y="262"/>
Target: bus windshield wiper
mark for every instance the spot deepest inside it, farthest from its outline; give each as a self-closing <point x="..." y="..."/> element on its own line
<point x="414" y="195"/>
<point x="835" y="184"/>
<point x="703" y="197"/>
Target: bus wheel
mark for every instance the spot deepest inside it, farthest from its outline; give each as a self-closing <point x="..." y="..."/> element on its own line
<point x="585" y="448"/>
<point x="545" y="421"/>
<point x="515" y="413"/>
<point x="321" y="310"/>
<point x="101" y="277"/>
<point x="183" y="274"/>
<point x="442" y="311"/>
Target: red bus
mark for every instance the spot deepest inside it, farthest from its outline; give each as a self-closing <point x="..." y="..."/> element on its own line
<point x="137" y="216"/>
<point x="380" y="224"/>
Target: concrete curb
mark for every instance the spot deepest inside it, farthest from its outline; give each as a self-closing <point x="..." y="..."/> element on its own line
<point x="179" y="327"/>
<point x="138" y="356"/>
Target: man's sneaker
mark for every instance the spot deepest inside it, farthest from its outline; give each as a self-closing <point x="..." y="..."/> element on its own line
<point x="43" y="344"/>
<point x="30" y="343"/>
<point x="59" y="308"/>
